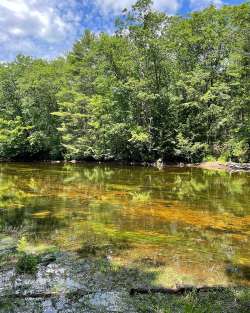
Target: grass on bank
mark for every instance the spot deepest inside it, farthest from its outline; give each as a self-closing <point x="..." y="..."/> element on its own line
<point x="231" y="300"/>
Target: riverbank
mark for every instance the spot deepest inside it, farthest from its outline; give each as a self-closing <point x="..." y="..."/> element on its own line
<point x="229" y="166"/>
<point x="211" y="165"/>
<point x="71" y="282"/>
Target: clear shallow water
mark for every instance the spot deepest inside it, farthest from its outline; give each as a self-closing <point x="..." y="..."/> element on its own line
<point x="189" y="225"/>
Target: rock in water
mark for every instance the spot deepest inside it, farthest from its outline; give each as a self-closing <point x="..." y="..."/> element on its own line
<point x="159" y="164"/>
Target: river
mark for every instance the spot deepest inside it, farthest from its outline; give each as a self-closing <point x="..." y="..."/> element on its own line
<point x="190" y="225"/>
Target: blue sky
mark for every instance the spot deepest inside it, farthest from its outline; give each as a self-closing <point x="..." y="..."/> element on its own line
<point x="48" y="28"/>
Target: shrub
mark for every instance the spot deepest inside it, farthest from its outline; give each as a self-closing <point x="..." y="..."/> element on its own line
<point x="27" y="263"/>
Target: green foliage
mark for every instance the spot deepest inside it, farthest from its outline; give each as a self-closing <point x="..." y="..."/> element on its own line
<point x="22" y="245"/>
<point x="209" y="158"/>
<point x="27" y="263"/>
<point x="175" y="88"/>
<point x="226" y="301"/>
<point x="28" y="91"/>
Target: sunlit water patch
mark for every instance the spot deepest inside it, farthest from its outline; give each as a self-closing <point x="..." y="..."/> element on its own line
<point x="188" y="225"/>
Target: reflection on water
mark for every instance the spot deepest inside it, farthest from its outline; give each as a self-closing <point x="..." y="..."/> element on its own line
<point x="193" y="225"/>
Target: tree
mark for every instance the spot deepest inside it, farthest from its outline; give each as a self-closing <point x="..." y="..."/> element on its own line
<point x="168" y="87"/>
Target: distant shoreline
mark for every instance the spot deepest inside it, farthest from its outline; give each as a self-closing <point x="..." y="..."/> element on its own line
<point x="211" y="165"/>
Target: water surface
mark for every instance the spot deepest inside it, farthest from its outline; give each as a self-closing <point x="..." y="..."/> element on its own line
<point x="189" y="225"/>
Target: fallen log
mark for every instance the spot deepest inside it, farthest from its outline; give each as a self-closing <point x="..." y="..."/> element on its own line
<point x="81" y="293"/>
<point x="175" y="291"/>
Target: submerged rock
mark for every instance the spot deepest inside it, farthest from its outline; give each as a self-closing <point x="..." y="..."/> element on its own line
<point x="112" y="301"/>
<point x="66" y="285"/>
<point x="159" y="164"/>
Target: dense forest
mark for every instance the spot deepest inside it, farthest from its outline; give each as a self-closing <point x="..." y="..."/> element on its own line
<point x="160" y="86"/>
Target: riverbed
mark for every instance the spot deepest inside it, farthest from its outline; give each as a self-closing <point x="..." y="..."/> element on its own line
<point x="185" y="225"/>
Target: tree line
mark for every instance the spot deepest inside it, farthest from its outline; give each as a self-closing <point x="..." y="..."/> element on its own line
<point x="160" y="86"/>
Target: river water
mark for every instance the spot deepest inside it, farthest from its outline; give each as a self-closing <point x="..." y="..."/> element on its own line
<point x="189" y="225"/>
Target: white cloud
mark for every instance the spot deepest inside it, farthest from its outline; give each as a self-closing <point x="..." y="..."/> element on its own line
<point x="201" y="4"/>
<point x="34" y="26"/>
<point x="170" y="6"/>
<point x="32" y="18"/>
<point x="49" y="27"/>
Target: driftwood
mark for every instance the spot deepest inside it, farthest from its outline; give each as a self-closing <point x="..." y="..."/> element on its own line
<point x="174" y="291"/>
